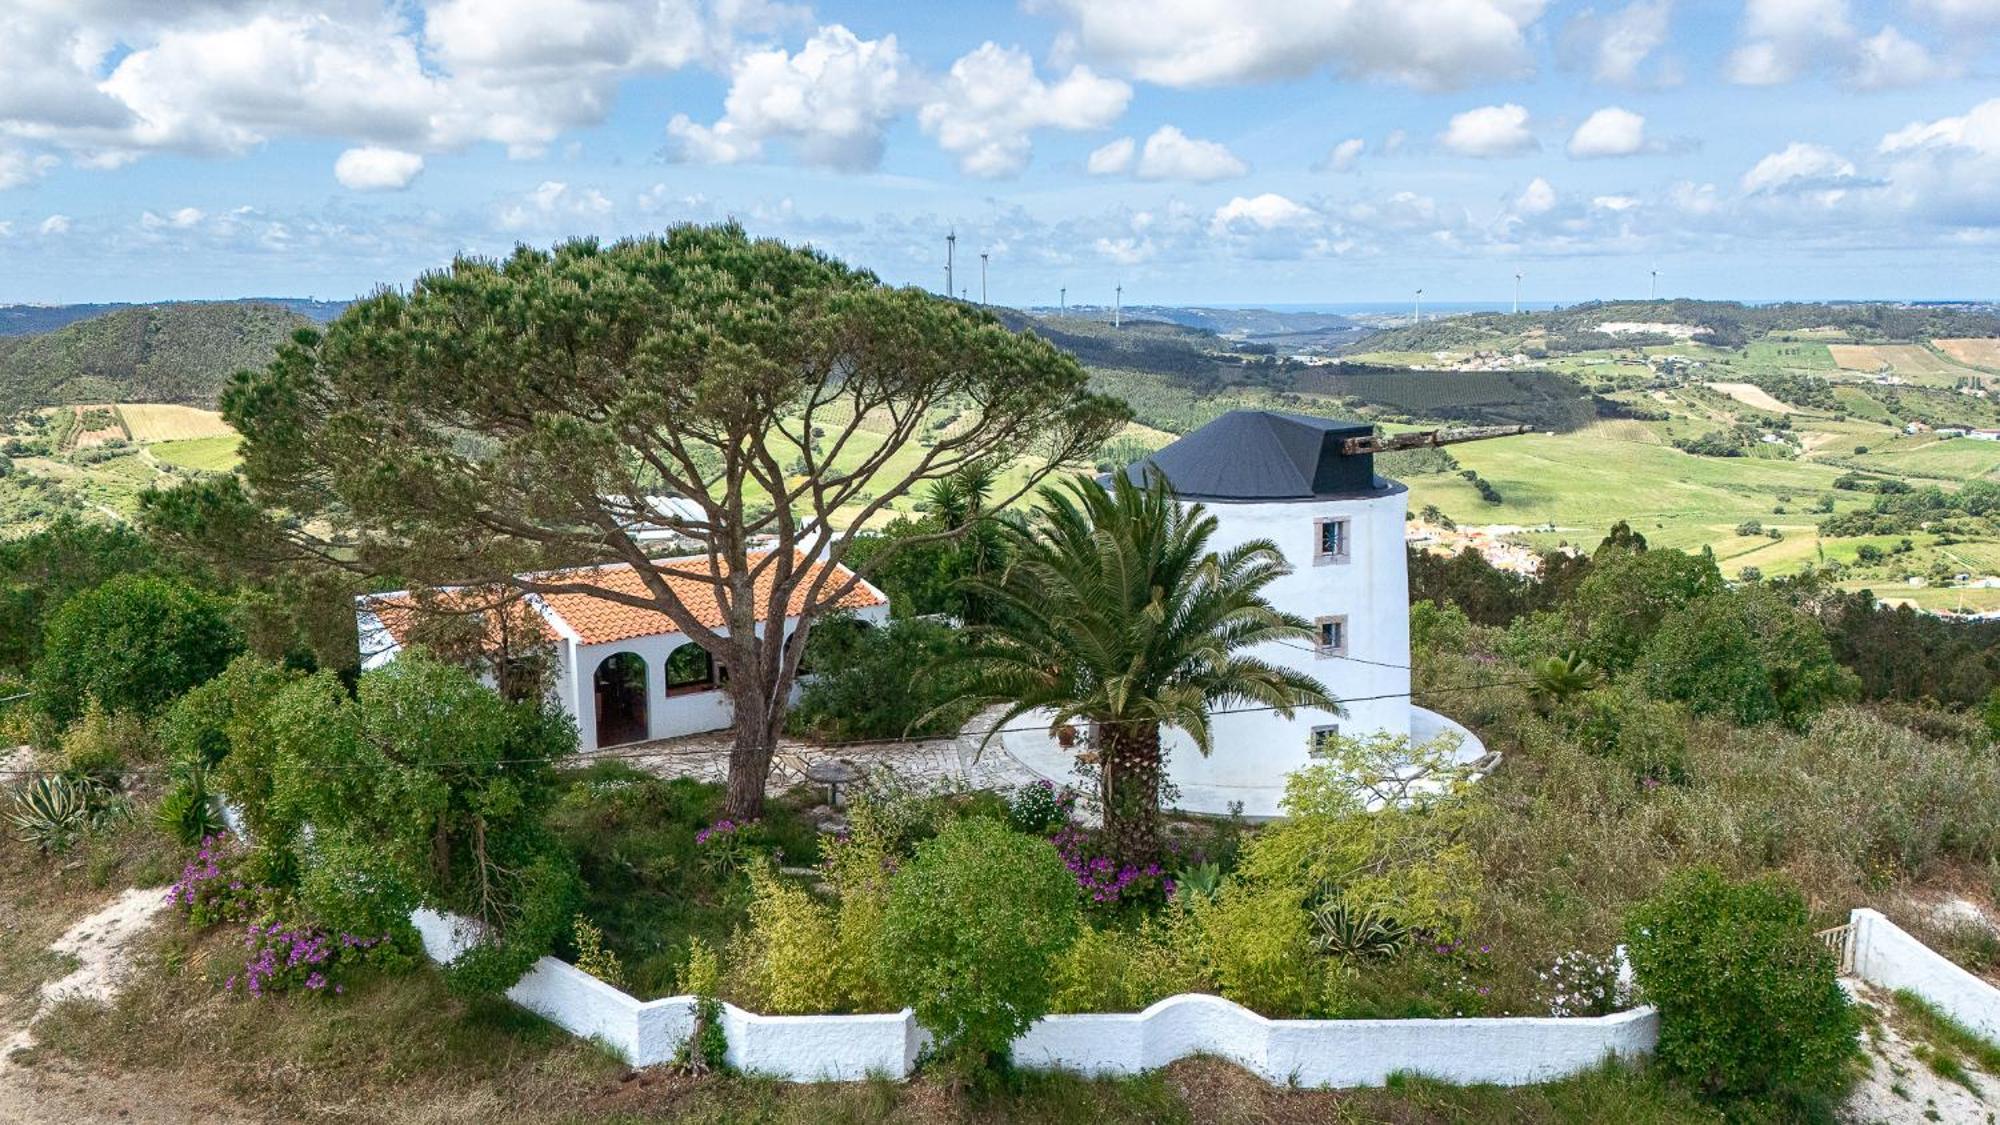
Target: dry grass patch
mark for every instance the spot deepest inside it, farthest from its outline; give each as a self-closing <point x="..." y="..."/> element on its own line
<point x="156" y="421"/>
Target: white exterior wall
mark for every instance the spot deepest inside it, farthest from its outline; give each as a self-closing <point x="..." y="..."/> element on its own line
<point x="1254" y="750"/>
<point x="1887" y="957"/>
<point x="1325" y="1053"/>
<point x="667" y="716"/>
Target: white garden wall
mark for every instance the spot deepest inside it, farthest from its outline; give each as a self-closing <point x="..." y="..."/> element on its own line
<point x="1887" y="957"/>
<point x="1328" y="1053"/>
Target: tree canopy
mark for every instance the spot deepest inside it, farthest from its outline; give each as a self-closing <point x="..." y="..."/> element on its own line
<point x="501" y="419"/>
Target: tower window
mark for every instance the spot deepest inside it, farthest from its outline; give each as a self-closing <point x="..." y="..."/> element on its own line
<point x="1322" y="740"/>
<point x="1332" y="635"/>
<point x="1330" y="540"/>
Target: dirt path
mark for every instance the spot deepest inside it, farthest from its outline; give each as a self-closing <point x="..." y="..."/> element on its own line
<point x="1902" y="1088"/>
<point x="35" y="1090"/>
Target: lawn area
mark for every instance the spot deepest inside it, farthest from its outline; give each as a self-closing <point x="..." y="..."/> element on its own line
<point x="154" y="421"/>
<point x="1584" y="482"/>
<point x="215" y="454"/>
<point x="1947" y="460"/>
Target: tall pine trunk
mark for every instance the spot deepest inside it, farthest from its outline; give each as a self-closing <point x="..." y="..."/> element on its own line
<point x="1129" y="763"/>
<point x="760" y="717"/>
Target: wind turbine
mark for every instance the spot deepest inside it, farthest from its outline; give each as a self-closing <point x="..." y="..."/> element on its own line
<point x="1417" y="310"/>
<point x="1653" y="286"/>
<point x="1517" y="292"/>
<point x="950" y="244"/>
<point x="1062" y="299"/>
<point x="1118" y="306"/>
<point x="982" y="277"/>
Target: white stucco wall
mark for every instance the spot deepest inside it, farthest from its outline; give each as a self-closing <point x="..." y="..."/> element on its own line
<point x="1254" y="749"/>
<point x="1888" y="957"/>
<point x="1326" y="1053"/>
<point x="667" y="716"/>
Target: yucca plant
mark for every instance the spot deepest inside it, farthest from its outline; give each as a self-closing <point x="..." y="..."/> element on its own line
<point x="187" y="811"/>
<point x="1365" y="934"/>
<point x="52" y="813"/>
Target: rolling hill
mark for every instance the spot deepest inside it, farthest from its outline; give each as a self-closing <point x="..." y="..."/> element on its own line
<point x="145" y="353"/>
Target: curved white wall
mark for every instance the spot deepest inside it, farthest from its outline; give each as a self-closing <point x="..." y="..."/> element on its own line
<point x="1254" y="750"/>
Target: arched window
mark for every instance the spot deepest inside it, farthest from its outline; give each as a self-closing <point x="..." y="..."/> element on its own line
<point x="620" y="684"/>
<point x="690" y="669"/>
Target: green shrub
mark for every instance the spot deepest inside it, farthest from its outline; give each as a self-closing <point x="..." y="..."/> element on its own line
<point x="789" y="955"/>
<point x="133" y="644"/>
<point x="1126" y="970"/>
<point x="973" y="922"/>
<point x="884" y="681"/>
<point x="592" y="957"/>
<point x="707" y="1046"/>
<point x="1745" y="654"/>
<point x="1257" y="939"/>
<point x="1749" y="1001"/>
<point x="1406" y="859"/>
<point x="102" y="746"/>
<point x="1038" y="808"/>
<point x="188" y="811"/>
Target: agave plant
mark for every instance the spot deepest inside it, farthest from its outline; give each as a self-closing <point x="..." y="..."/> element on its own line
<point x="1366" y="934"/>
<point x="1203" y="879"/>
<point x="52" y="813"/>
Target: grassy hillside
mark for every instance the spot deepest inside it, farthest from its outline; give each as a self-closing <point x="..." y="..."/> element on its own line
<point x="154" y="353"/>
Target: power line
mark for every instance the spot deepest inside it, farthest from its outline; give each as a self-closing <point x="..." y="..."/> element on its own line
<point x="633" y="751"/>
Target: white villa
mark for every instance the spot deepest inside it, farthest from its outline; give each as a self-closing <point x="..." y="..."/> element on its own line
<point x="1287" y="478"/>
<point x="624" y="674"/>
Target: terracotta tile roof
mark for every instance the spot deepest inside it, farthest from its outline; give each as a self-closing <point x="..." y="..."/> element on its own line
<point x="600" y="621"/>
<point x="401" y="611"/>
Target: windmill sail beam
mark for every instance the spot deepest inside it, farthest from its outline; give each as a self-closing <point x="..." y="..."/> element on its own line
<point x="1389" y="443"/>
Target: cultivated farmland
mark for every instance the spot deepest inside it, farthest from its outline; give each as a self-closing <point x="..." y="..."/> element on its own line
<point x="1914" y="362"/>
<point x="1973" y="351"/>
<point x="155" y="421"/>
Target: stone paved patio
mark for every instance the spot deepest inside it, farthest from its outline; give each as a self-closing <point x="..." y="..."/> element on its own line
<point x="930" y="763"/>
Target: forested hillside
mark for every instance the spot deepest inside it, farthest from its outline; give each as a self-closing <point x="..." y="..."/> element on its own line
<point x="148" y="353"/>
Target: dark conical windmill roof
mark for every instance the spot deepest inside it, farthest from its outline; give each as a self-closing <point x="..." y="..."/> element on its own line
<point x="1263" y="455"/>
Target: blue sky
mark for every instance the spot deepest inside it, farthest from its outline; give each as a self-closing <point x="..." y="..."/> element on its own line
<point x="1194" y="151"/>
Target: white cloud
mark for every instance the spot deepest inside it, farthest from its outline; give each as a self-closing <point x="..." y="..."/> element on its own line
<point x="1268" y="211"/>
<point x="833" y="100"/>
<point x="377" y="169"/>
<point x="1212" y="42"/>
<point x="1614" y="202"/>
<point x="555" y="204"/>
<point x="1615" y="47"/>
<point x="1345" y="154"/>
<point x="1538" y="198"/>
<point x="987" y="106"/>
<point x="1888" y="59"/>
<point x="17" y="167"/>
<point x="1798" y="164"/>
<point x="1948" y="169"/>
<point x="1112" y="158"/>
<point x="181" y="219"/>
<point x="1170" y="154"/>
<point x="1785" y="40"/>
<point x="1493" y="130"/>
<point x="1611" y="131"/>
<point x="1960" y="13"/>
<point x="109" y="81"/>
<point x="54" y="225"/>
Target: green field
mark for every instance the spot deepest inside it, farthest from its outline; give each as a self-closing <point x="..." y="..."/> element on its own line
<point x="208" y="454"/>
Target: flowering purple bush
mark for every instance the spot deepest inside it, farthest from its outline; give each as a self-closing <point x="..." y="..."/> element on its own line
<point x="211" y="887"/>
<point x="1102" y="880"/>
<point x="282" y="958"/>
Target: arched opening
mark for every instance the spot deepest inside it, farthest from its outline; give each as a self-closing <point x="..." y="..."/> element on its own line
<point x="621" y="698"/>
<point x="690" y="669"/>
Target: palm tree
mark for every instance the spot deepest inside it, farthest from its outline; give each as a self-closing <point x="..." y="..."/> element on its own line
<point x="1112" y="610"/>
